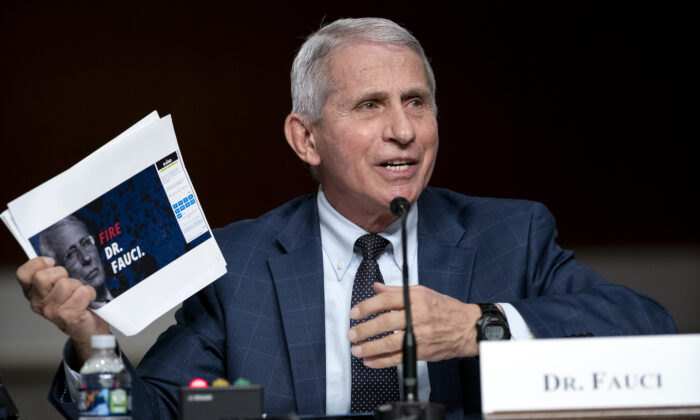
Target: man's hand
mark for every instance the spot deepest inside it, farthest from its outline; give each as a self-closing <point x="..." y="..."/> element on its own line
<point x="63" y="301"/>
<point x="443" y="326"/>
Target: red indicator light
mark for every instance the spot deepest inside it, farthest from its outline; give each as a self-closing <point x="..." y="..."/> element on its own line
<point x="198" y="383"/>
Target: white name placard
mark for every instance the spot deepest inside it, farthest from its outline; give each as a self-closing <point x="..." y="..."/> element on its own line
<point x="590" y="373"/>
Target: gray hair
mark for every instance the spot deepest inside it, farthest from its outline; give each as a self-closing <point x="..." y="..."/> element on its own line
<point x="45" y="237"/>
<point x="311" y="84"/>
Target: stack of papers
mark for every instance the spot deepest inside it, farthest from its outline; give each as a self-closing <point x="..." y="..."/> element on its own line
<point x="127" y="221"/>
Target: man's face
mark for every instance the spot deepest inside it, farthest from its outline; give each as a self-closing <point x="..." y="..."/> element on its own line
<point x="76" y="250"/>
<point x="378" y="136"/>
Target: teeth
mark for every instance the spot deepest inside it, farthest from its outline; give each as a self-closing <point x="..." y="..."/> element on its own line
<point x="397" y="167"/>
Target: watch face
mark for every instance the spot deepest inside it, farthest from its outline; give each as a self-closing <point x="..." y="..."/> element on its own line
<point x="494" y="332"/>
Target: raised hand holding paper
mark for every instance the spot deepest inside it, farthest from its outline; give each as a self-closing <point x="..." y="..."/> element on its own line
<point x="125" y="220"/>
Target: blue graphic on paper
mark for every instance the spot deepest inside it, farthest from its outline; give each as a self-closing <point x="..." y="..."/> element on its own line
<point x="134" y="231"/>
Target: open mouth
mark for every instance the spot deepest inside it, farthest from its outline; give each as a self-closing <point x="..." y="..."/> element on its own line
<point x="398" y="165"/>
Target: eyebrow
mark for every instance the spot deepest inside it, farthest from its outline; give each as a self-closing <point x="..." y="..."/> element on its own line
<point x="416" y="93"/>
<point x="381" y="95"/>
<point x="367" y="96"/>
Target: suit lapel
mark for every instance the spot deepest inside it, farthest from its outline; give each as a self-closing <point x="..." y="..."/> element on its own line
<point x="445" y="267"/>
<point x="298" y="279"/>
<point x="443" y="264"/>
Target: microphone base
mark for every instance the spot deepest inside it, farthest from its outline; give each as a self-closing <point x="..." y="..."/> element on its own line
<point x="410" y="410"/>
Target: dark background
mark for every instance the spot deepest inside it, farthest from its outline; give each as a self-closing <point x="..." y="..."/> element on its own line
<point x="584" y="106"/>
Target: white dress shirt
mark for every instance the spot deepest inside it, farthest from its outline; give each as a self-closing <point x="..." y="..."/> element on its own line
<point x="340" y="263"/>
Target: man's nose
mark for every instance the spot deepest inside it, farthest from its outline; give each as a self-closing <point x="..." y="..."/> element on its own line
<point x="85" y="258"/>
<point x="400" y="127"/>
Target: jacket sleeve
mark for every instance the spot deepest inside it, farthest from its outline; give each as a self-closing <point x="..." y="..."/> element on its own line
<point x="565" y="299"/>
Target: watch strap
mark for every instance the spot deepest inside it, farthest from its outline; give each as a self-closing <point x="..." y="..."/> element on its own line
<point x="489" y="308"/>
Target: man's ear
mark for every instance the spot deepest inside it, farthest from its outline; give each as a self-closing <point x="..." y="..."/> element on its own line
<point x="301" y="139"/>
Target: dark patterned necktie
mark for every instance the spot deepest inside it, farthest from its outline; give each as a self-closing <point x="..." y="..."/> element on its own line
<point x="370" y="387"/>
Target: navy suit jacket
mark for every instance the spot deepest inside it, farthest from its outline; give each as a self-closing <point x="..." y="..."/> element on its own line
<point x="264" y="320"/>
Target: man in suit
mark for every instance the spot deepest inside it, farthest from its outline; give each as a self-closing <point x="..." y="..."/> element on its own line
<point x="286" y="315"/>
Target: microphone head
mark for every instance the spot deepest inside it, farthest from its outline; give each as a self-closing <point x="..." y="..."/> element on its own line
<point x="400" y="206"/>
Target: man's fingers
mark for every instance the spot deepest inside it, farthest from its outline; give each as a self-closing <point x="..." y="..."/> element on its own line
<point x="386" y="322"/>
<point x="388" y="299"/>
<point x="75" y="308"/>
<point x="385" y="360"/>
<point x="82" y="297"/>
<point x="385" y="345"/>
<point x="43" y="282"/>
<point x="26" y="271"/>
<point x="62" y="289"/>
<point x="62" y="300"/>
<point x="72" y="292"/>
<point x="381" y="288"/>
<point x="68" y="307"/>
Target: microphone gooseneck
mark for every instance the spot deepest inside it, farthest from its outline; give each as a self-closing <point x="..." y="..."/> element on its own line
<point x="400" y="207"/>
<point x="409" y="407"/>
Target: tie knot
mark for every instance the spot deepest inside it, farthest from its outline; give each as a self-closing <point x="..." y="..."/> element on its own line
<point x="371" y="245"/>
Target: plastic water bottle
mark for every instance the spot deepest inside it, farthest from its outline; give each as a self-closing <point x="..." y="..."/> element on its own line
<point x="105" y="388"/>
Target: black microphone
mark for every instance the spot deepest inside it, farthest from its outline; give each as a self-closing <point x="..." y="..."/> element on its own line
<point x="400" y="207"/>
<point x="410" y="407"/>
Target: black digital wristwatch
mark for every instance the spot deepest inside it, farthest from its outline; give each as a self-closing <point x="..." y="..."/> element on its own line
<point x="492" y="325"/>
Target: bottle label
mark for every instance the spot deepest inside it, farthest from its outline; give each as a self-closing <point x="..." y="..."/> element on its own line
<point x="100" y="399"/>
<point x="118" y="401"/>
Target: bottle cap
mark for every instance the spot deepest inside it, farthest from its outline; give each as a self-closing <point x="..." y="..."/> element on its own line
<point x="103" y="341"/>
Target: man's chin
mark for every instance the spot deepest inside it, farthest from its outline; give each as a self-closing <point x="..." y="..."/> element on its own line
<point x="410" y="193"/>
<point x="96" y="283"/>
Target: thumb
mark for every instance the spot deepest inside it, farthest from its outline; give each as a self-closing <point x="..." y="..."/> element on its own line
<point x="48" y="261"/>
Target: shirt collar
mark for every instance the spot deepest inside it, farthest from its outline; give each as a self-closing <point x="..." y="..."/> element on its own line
<point x="338" y="236"/>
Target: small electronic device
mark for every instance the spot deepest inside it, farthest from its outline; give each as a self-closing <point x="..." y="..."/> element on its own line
<point x="221" y="403"/>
